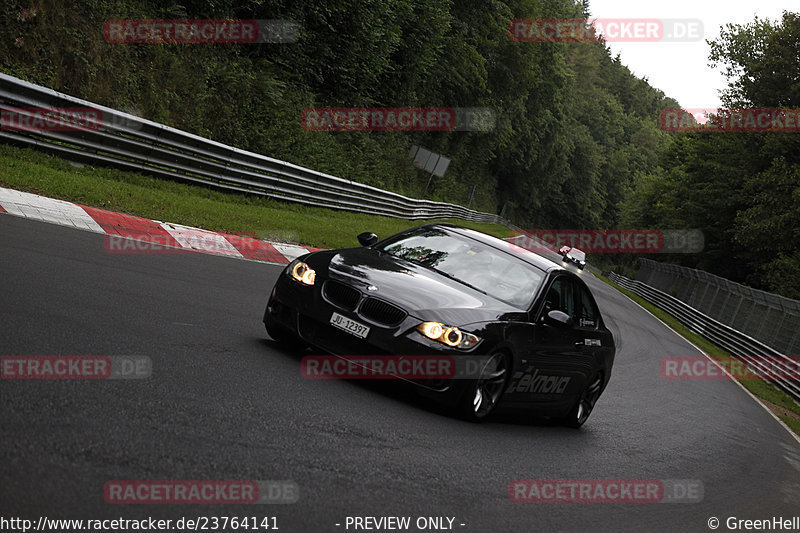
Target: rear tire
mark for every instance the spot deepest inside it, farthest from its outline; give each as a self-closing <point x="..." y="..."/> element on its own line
<point x="580" y="412"/>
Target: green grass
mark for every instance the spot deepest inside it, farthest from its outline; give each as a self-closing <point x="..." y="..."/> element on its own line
<point x="198" y="206"/>
<point x="792" y="423"/>
<point x="761" y="389"/>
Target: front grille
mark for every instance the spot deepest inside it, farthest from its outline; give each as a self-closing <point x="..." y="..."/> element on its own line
<point x="341" y="295"/>
<point x="381" y="312"/>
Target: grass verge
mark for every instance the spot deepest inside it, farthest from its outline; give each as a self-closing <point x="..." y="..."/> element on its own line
<point x="193" y="205"/>
<point x="778" y="401"/>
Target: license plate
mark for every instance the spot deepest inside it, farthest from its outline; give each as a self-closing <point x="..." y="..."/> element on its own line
<point x="350" y="326"/>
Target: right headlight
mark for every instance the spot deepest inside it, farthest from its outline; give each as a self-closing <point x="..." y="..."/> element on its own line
<point x="301" y="272"/>
<point x="449" y="335"/>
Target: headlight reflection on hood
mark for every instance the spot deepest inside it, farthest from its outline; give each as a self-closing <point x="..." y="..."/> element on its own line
<point x="449" y="335"/>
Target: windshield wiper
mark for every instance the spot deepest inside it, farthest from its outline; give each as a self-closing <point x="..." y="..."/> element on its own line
<point x="442" y="272"/>
<point x="459" y="280"/>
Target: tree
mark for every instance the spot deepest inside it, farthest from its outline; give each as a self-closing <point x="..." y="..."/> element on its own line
<point x="741" y="189"/>
<point x="761" y="62"/>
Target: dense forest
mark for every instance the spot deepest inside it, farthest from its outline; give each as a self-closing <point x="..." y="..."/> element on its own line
<point x="741" y="189"/>
<point x="572" y="124"/>
<point x="576" y="141"/>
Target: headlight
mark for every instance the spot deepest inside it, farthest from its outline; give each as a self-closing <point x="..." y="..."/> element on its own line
<point x="449" y="335"/>
<point x="301" y="272"/>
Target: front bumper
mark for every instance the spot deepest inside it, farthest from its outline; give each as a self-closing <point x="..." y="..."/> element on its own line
<point x="575" y="261"/>
<point x="305" y="312"/>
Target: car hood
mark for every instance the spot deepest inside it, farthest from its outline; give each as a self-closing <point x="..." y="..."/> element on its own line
<point x="422" y="292"/>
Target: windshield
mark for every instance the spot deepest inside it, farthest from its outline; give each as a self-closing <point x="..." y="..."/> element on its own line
<point x="577" y="254"/>
<point x="470" y="262"/>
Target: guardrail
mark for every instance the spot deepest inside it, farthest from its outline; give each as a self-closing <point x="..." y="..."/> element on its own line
<point x="769" y="318"/>
<point x="737" y="343"/>
<point x="131" y="143"/>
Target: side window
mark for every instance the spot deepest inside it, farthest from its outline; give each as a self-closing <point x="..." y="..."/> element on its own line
<point x="561" y="297"/>
<point x="587" y="310"/>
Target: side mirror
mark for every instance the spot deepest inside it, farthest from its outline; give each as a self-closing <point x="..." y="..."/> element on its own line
<point x="367" y="238"/>
<point x="558" y="318"/>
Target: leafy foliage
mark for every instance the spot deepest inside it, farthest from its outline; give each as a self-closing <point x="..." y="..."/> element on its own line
<point x="572" y="125"/>
<point x="741" y="189"/>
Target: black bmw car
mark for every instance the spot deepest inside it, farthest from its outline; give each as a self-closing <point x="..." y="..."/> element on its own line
<point x="532" y="326"/>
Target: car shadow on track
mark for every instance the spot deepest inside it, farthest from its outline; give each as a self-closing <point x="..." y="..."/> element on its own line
<point x="407" y="394"/>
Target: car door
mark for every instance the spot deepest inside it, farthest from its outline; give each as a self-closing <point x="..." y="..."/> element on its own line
<point x="554" y="369"/>
<point x="598" y="343"/>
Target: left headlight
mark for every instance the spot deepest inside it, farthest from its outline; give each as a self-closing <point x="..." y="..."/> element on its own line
<point x="449" y="335"/>
<point x="301" y="272"/>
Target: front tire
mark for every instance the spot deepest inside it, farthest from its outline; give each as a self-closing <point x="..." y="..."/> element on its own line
<point x="483" y="394"/>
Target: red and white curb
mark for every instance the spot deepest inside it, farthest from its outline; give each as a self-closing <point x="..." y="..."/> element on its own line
<point x="126" y="233"/>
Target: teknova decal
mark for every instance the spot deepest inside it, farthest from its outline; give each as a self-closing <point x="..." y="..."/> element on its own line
<point x="525" y="381"/>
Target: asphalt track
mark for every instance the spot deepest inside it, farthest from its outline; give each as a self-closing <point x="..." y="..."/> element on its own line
<point x="224" y="402"/>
